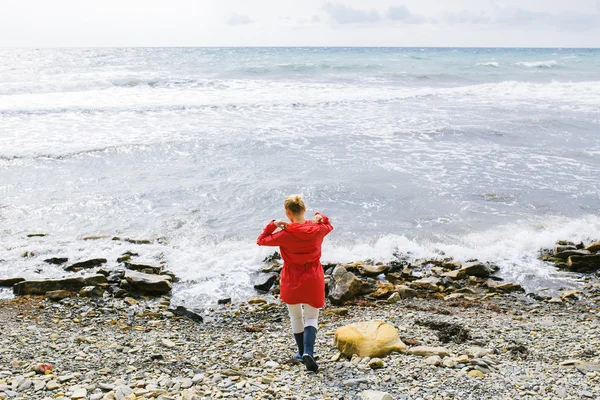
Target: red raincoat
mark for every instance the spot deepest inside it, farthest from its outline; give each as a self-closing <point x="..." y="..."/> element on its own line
<point x="302" y="280"/>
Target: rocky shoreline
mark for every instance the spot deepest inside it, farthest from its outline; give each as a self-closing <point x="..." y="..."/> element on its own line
<point x="457" y="332"/>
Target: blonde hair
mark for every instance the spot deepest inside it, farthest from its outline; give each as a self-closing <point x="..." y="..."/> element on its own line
<point x="295" y="204"/>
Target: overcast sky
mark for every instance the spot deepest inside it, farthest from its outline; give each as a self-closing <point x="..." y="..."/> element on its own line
<point x="56" y="23"/>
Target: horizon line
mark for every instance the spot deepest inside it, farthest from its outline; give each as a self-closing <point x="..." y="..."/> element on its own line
<point x="299" y="47"/>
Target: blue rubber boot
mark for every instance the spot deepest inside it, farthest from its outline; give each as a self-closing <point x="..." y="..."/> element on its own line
<point x="300" y="343"/>
<point x="310" y="334"/>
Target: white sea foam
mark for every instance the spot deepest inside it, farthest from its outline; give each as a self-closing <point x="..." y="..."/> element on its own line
<point x="538" y="64"/>
<point x="494" y="64"/>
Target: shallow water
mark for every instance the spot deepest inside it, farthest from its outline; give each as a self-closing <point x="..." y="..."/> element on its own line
<point x="481" y="153"/>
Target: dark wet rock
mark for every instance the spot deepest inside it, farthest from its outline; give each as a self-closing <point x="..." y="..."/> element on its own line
<point x="224" y="301"/>
<point x="447" y="331"/>
<point x="70" y="284"/>
<point x="477" y="269"/>
<point x="137" y="241"/>
<point x="273" y="257"/>
<point x="37" y="235"/>
<point x="56" y="260"/>
<point x="267" y="285"/>
<point x="95" y="262"/>
<point x="560" y="248"/>
<point x="116" y="276"/>
<point x="568" y="253"/>
<point x="170" y="274"/>
<point x="152" y="269"/>
<point x="184" y="312"/>
<point x="394" y="277"/>
<point x="344" y="285"/>
<point x="124" y="258"/>
<point x="584" y="263"/>
<point x="147" y="284"/>
<point x="10" y="281"/>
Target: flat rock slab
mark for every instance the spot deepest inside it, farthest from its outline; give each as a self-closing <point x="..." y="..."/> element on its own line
<point x="95" y="262"/>
<point x="426" y="351"/>
<point x="155" y="269"/>
<point x="48" y="285"/>
<point x="10" y="281"/>
<point x="148" y="284"/>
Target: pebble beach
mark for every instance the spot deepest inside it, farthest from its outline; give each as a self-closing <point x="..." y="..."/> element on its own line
<point x="108" y="348"/>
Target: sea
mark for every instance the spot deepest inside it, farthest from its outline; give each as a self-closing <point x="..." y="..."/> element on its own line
<point x="473" y="153"/>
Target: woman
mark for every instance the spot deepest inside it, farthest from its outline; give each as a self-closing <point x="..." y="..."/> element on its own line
<point x="302" y="284"/>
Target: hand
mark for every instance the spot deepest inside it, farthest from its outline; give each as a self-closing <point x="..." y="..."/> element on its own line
<point x="317" y="219"/>
<point x="281" y="224"/>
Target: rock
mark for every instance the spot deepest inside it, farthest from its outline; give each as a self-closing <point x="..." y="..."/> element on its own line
<point x="71" y="284"/>
<point x="271" y="364"/>
<point x="372" y="271"/>
<point x="584" y="263"/>
<point x="448" y="362"/>
<point x="368" y="339"/>
<point x="374" y="395"/>
<point x="24" y="385"/>
<point x="456" y="274"/>
<point x="148" y="284"/>
<point x="475" y="373"/>
<point x="137" y="241"/>
<point x="79" y="393"/>
<point x="433" y="360"/>
<point x="95" y="237"/>
<point x="560" y="248"/>
<point x="336" y="311"/>
<point x="570" y="294"/>
<point x="91" y="291"/>
<point x="57" y="295"/>
<point x="185" y="312"/>
<point x="345" y="286"/>
<point x="376" y="363"/>
<point x="56" y="260"/>
<point x="384" y="290"/>
<point x="257" y="300"/>
<point x="66" y="378"/>
<point x="394" y="298"/>
<point x="567" y="253"/>
<point x="10" y="281"/>
<point x="153" y="269"/>
<point x="427" y="351"/>
<point x="267" y="285"/>
<point x="430" y="283"/>
<point x="405" y="292"/>
<point x="95" y="262"/>
<point x="594" y="247"/>
<point x="37" y="235"/>
<point x="476" y="269"/>
<point x="507" y="288"/>
<point x="224" y="301"/>
<point x="122" y="392"/>
<point x="52" y="385"/>
<point x="477" y="352"/>
<point x="167" y="343"/>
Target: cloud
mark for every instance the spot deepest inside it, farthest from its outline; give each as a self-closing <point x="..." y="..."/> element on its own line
<point x="237" y="19"/>
<point x="342" y="14"/>
<point x="466" y="17"/>
<point x="403" y="14"/>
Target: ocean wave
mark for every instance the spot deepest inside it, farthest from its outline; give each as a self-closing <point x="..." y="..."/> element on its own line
<point x="493" y="64"/>
<point x="538" y="64"/>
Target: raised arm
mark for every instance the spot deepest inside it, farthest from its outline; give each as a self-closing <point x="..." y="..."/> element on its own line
<point x="324" y="222"/>
<point x="268" y="238"/>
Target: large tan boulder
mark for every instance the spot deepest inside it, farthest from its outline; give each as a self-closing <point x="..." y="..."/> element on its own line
<point x="368" y="339"/>
<point x="594" y="247"/>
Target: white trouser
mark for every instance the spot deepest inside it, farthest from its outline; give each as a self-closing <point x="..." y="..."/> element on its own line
<point x="311" y="316"/>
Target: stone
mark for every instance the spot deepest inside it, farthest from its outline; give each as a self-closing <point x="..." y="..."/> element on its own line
<point x="57" y="295"/>
<point x="456" y="274"/>
<point x="477" y="352"/>
<point x="148" y="284"/>
<point x="567" y="253"/>
<point x="405" y="292"/>
<point x="271" y="364"/>
<point x="448" y="362"/>
<point x="336" y="311"/>
<point x="10" y="281"/>
<point x="257" y="301"/>
<point x="154" y="269"/>
<point x="584" y="263"/>
<point x="476" y="269"/>
<point x="91" y="291"/>
<point x="372" y="271"/>
<point x="375" y="363"/>
<point x="433" y="360"/>
<point x="52" y="385"/>
<point x="185" y="312"/>
<point x="79" y="393"/>
<point x="394" y="298"/>
<point x="430" y="283"/>
<point x="374" y="395"/>
<point x="56" y="260"/>
<point x="475" y="373"/>
<point x="95" y="262"/>
<point x="506" y="288"/>
<point x="594" y="247"/>
<point x="559" y="248"/>
<point x="368" y="339"/>
<point x="30" y="235"/>
<point x="72" y="284"/>
<point x="267" y="285"/>
<point x="226" y="300"/>
<point x="384" y="290"/>
<point x="95" y="237"/>
<point x="345" y="286"/>
<point x="570" y="294"/>
<point x="427" y="351"/>
<point x="123" y="392"/>
<point x="168" y="343"/>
